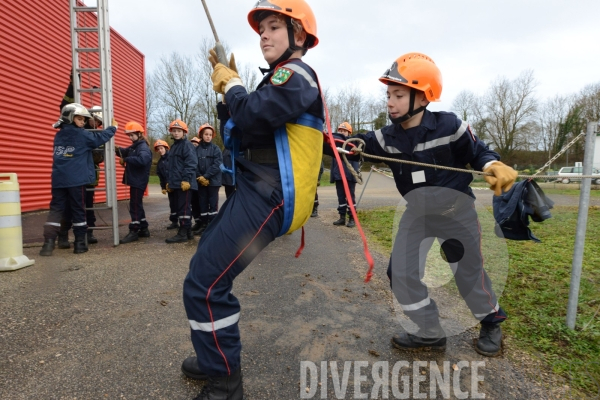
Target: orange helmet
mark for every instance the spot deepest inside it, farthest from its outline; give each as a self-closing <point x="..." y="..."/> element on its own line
<point x="178" y="124"/>
<point x="417" y="71"/>
<point x="160" y="143"/>
<point x="195" y="139"/>
<point x="134" y="127"/>
<point x="346" y="126"/>
<point x="296" y="9"/>
<point x="204" y="127"/>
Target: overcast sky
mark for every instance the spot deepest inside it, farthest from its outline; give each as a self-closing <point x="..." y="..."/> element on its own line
<point x="472" y="41"/>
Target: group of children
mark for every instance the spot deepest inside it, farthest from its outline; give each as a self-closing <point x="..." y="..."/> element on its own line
<point x="278" y="130"/>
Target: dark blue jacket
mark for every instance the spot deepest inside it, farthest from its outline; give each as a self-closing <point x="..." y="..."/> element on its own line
<point x="138" y="159"/>
<point x="335" y="174"/>
<point x="226" y="179"/>
<point x="440" y="139"/>
<point x="182" y="164"/>
<point x="73" y="163"/>
<point x="162" y="170"/>
<point x="513" y="209"/>
<point x="209" y="159"/>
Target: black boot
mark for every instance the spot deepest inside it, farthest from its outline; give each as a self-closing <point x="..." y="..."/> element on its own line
<point x="315" y="212"/>
<point x="132" y="236"/>
<point x="351" y="223"/>
<point x="200" y="229"/>
<point x="490" y="340"/>
<point x="191" y="370"/>
<point x="63" y="240"/>
<point x="91" y="239"/>
<point x="144" y="232"/>
<point x="174" y="225"/>
<point x="47" y="248"/>
<point x="427" y="339"/>
<point x="196" y="226"/>
<point x="223" y="387"/>
<point x="80" y="245"/>
<point x="182" y="236"/>
<point x="341" y="221"/>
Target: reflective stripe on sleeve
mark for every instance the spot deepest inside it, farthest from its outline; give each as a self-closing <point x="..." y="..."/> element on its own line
<point x="381" y="140"/>
<point x="302" y="71"/>
<point x="444" y="140"/>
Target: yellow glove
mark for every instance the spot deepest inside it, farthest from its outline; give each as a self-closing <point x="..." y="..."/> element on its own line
<point x="214" y="60"/>
<point x="221" y="76"/>
<point x="203" y="181"/>
<point x="503" y="179"/>
<point x="169" y="189"/>
<point x="122" y="162"/>
<point x="114" y="123"/>
<point x="185" y="186"/>
<point x="164" y="191"/>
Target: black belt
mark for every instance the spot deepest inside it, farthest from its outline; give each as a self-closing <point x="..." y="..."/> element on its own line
<point x="261" y="156"/>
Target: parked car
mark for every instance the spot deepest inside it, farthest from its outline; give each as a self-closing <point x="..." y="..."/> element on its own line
<point x="572" y="174"/>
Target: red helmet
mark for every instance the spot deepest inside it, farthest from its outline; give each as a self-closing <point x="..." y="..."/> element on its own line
<point x="204" y="127"/>
<point x="160" y="143"/>
<point x="416" y="71"/>
<point x="346" y="126"/>
<point x="134" y="127"/>
<point x="178" y="124"/>
<point x="296" y="9"/>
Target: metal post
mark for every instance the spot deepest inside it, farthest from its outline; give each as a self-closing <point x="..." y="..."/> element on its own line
<point x="584" y="202"/>
<point x="364" y="187"/>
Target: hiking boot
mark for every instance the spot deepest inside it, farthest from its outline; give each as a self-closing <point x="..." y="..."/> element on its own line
<point x="200" y="229"/>
<point x="351" y="223"/>
<point x="190" y="234"/>
<point x="174" y="225"/>
<point x="63" y="240"/>
<point x="490" y="340"/>
<point x="341" y="221"/>
<point x="315" y="212"/>
<point x="144" y="233"/>
<point x="196" y="226"/>
<point x="80" y="245"/>
<point x="430" y="339"/>
<point x="223" y="387"/>
<point x="132" y="236"/>
<point x="191" y="370"/>
<point x="47" y="248"/>
<point x="91" y="239"/>
<point x="182" y="236"/>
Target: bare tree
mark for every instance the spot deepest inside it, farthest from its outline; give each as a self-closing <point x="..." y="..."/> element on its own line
<point x="589" y="99"/>
<point x="507" y="109"/>
<point x="552" y="115"/>
<point x="464" y="105"/>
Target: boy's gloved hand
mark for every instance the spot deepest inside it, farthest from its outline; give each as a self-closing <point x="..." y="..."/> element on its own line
<point x="185" y="186"/>
<point x="203" y="181"/>
<point x="168" y="188"/>
<point x="114" y="123"/>
<point x="222" y="76"/>
<point x="122" y="162"/>
<point x="214" y="59"/>
<point x="503" y="179"/>
<point x="164" y="191"/>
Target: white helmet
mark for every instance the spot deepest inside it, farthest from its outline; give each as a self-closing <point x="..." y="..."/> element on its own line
<point x="69" y="112"/>
<point x="96" y="112"/>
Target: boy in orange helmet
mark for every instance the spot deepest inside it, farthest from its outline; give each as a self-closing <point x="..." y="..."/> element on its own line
<point x="278" y="126"/>
<point x="137" y="160"/>
<point x="344" y="130"/>
<point x="182" y="178"/>
<point x="440" y="203"/>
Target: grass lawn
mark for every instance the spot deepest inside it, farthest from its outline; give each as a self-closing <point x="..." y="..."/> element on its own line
<point x="154" y="180"/>
<point x="537" y="291"/>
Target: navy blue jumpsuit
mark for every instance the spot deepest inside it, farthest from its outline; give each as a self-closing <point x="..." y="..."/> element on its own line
<point x="436" y="207"/>
<point x="250" y="218"/>
<point x="336" y="176"/>
<point x="138" y="160"/>
<point x="209" y="160"/>
<point x="182" y="168"/>
<point x="162" y="171"/>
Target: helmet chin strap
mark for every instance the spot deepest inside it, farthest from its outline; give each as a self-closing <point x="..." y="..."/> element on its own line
<point x="411" y="110"/>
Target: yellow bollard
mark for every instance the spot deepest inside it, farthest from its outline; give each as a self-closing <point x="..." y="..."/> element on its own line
<point x="11" y="233"/>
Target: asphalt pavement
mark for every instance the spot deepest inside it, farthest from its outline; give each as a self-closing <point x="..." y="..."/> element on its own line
<point x="110" y="323"/>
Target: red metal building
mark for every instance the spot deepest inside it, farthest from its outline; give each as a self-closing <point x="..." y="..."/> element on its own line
<point x="35" y="65"/>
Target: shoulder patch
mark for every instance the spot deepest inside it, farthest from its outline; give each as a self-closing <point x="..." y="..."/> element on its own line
<point x="281" y="76"/>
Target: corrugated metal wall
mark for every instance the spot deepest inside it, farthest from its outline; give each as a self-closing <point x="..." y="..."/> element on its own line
<point x="35" y="63"/>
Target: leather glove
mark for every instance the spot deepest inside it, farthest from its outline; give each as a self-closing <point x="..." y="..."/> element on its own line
<point x="164" y="191"/>
<point x="122" y="162"/>
<point x="214" y="59"/>
<point x="114" y="123"/>
<point x="117" y="150"/>
<point x="203" y="181"/>
<point x="169" y="189"/>
<point x="503" y="179"/>
<point x="185" y="186"/>
<point x="221" y="77"/>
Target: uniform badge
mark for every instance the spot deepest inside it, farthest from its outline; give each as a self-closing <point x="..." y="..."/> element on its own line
<point x="281" y="76"/>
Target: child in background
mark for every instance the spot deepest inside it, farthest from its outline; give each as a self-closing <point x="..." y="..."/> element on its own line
<point x="208" y="176"/>
<point x="73" y="147"/>
<point x="343" y="131"/>
<point x="137" y="160"/>
<point x="162" y="170"/>
<point x="195" y="199"/>
<point x="182" y="178"/>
